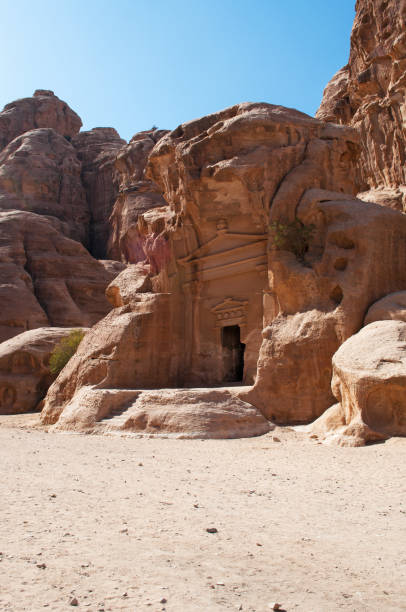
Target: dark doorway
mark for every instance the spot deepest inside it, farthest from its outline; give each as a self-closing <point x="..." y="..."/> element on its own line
<point x="233" y="354"/>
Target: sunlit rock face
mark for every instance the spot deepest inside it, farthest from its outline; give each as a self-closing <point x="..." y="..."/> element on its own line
<point x="136" y="195"/>
<point x="43" y="110"/>
<point x="191" y="309"/>
<point x="369" y="383"/>
<point x="24" y="368"/>
<point x="369" y="94"/>
<point x="47" y="278"/>
<point x="40" y="173"/>
<point x="323" y="300"/>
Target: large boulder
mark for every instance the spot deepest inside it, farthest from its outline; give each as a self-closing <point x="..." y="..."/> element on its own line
<point x="24" y="368"/>
<point x="40" y="173"/>
<point x="47" y="278"/>
<point x="134" y="346"/>
<point x="390" y="307"/>
<point x="368" y="94"/>
<point x="43" y="110"/>
<point x="97" y="150"/>
<point x="369" y="383"/>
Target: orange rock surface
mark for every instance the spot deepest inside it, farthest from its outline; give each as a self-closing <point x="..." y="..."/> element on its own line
<point x="204" y="285"/>
<point x="241" y="258"/>
<point x="40" y="173"/>
<point x="43" y="110"/>
<point x="368" y="94"/>
<point x="97" y="149"/>
<point x="47" y="278"/>
<point x="369" y="383"/>
<point x="24" y="368"/>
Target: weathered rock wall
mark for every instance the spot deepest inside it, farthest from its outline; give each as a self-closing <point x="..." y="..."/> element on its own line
<point x="40" y="173"/>
<point x="354" y="259"/>
<point x="24" y="368"/>
<point x="369" y="94"/>
<point x="97" y="149"/>
<point x="43" y="110"/>
<point x="136" y="195"/>
<point x="47" y="278"/>
<point x="204" y="260"/>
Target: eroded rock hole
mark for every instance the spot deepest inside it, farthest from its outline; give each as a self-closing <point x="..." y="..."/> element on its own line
<point x="341" y="263"/>
<point x="233" y="353"/>
<point x="342" y="241"/>
<point x="337" y="295"/>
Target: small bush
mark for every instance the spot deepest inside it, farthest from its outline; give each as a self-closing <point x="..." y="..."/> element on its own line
<point x="64" y="350"/>
<point x="294" y="237"/>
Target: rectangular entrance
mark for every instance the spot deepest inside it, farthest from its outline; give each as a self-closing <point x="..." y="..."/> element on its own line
<point x="233" y="353"/>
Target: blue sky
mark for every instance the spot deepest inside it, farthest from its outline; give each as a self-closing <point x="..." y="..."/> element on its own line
<point x="131" y="64"/>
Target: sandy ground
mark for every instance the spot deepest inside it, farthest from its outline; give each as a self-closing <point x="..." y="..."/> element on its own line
<point x="120" y="523"/>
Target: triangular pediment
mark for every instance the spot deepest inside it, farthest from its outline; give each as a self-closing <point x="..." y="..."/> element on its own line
<point x="222" y="243"/>
<point x="229" y="304"/>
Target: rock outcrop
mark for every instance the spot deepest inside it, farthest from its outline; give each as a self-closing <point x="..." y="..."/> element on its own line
<point x="181" y="413"/>
<point x="369" y="94"/>
<point x="322" y="301"/>
<point x="47" y="278"/>
<point x="390" y="307"/>
<point x="369" y="383"/>
<point x="43" y="110"/>
<point x="136" y="196"/>
<point x="97" y="150"/>
<point x="40" y="173"/>
<point x="24" y="368"/>
<point x="205" y="281"/>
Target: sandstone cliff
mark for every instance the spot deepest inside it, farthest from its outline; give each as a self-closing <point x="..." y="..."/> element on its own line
<point x="205" y="263"/>
<point x="136" y="195"/>
<point x="369" y="94"/>
<point x="97" y="150"/>
<point x="43" y="110"/>
<point x="241" y="258"/>
<point x="47" y="277"/>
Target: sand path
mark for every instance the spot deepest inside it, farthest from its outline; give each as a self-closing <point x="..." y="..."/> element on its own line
<point x="120" y="523"/>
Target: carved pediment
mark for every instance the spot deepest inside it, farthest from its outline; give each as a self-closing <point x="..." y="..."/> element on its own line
<point x="230" y="311"/>
<point x="222" y="243"/>
<point x="229" y="304"/>
<point x="227" y="253"/>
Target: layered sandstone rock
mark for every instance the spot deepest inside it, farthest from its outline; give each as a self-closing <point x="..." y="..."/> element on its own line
<point x="43" y="110"/>
<point x="369" y="94"/>
<point x="136" y="196"/>
<point x="117" y="354"/>
<point x="181" y="413"/>
<point x="24" y="368"/>
<point x="322" y="301"/>
<point x="203" y="287"/>
<point x="97" y="150"/>
<point x="390" y="307"/>
<point x="46" y="278"/>
<point x="40" y="173"/>
<point x="369" y="383"/>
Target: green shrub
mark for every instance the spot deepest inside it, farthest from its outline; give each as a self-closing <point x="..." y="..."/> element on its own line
<point x="64" y="350"/>
<point x="294" y="237"/>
